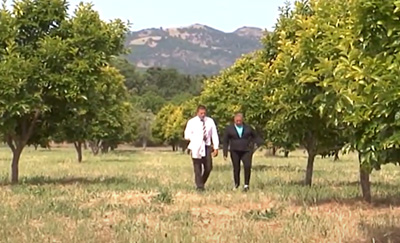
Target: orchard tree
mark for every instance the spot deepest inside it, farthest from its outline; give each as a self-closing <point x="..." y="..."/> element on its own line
<point x="47" y="65"/>
<point x="243" y="87"/>
<point x="170" y="122"/>
<point x="297" y="103"/>
<point x="232" y="91"/>
<point x="169" y="125"/>
<point x="160" y="122"/>
<point x="144" y="121"/>
<point x="150" y="100"/>
<point x="112" y="123"/>
<point x="175" y="127"/>
<point x="369" y="72"/>
<point x="105" y="120"/>
<point x="87" y="66"/>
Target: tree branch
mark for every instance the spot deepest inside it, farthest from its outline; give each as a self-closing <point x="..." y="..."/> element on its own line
<point x="27" y="135"/>
<point x="10" y="143"/>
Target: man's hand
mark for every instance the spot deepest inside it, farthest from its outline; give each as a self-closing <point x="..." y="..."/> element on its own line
<point x="215" y="153"/>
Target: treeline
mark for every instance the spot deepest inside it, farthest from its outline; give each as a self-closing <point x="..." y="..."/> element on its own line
<point x="151" y="90"/>
<point x="326" y="78"/>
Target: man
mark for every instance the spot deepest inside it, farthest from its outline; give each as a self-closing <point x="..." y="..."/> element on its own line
<point x="203" y="136"/>
<point x="240" y="138"/>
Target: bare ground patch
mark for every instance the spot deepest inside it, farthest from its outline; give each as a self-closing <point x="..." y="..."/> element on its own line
<point x="128" y="198"/>
<point x="330" y="221"/>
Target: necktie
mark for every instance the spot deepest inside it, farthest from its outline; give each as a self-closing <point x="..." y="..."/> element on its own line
<point x="204" y="130"/>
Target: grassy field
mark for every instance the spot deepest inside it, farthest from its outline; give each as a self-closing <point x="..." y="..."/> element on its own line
<point x="134" y="196"/>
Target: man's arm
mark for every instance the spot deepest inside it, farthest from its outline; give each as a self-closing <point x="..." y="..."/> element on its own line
<point x="226" y="142"/>
<point x="215" y="138"/>
<point x="188" y="131"/>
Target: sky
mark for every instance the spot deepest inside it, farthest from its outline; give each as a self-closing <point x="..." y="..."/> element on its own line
<point x="225" y="15"/>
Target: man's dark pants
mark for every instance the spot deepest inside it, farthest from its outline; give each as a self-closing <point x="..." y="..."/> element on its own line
<point x="202" y="168"/>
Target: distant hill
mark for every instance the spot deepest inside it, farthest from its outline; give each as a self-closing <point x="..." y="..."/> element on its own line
<point x="197" y="49"/>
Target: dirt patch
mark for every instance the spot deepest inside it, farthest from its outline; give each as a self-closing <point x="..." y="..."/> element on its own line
<point x="213" y="210"/>
<point x="125" y="198"/>
<point x="36" y="223"/>
<point x="149" y="220"/>
<point x="328" y="222"/>
<point x="261" y="205"/>
<point x="14" y="201"/>
<point x="187" y="198"/>
<point x="352" y="210"/>
<point x="358" y="222"/>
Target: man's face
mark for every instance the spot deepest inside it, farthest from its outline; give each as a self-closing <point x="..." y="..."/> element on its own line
<point x="201" y="113"/>
<point x="238" y="120"/>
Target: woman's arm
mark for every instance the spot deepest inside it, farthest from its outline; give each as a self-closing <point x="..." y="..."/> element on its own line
<point x="226" y="142"/>
<point x="257" y="138"/>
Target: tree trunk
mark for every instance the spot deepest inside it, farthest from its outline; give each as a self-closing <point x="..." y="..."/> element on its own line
<point x="105" y="149"/>
<point x="78" y="147"/>
<point x="144" y="144"/>
<point x="95" y="147"/>
<point x="15" y="165"/>
<point x="365" y="182"/>
<point x="36" y="146"/>
<point x="365" y="185"/>
<point x="286" y="153"/>
<point x="274" y="151"/>
<point x="84" y="145"/>
<point x="310" y="168"/>
<point x="18" y="143"/>
<point x="336" y="156"/>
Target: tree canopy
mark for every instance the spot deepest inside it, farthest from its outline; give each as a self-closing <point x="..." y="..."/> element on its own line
<point x="50" y="65"/>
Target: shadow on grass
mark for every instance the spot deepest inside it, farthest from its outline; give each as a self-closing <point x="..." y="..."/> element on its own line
<point x="280" y="168"/>
<point x="377" y="202"/>
<point x="268" y="156"/>
<point x="46" y="150"/>
<point x="123" y="152"/>
<point x="315" y="195"/>
<point x="141" y="151"/>
<point x="117" y="159"/>
<point x="379" y="233"/>
<point x="42" y="180"/>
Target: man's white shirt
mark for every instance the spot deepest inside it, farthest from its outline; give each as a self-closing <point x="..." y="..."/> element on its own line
<point x="194" y="133"/>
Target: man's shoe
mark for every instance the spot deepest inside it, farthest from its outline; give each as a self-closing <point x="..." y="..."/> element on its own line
<point x="200" y="189"/>
<point x="236" y="187"/>
<point x="246" y="188"/>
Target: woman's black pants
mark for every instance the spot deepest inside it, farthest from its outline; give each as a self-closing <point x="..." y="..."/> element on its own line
<point x="246" y="157"/>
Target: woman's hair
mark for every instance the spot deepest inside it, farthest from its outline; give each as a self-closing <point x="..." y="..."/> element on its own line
<point x="238" y="114"/>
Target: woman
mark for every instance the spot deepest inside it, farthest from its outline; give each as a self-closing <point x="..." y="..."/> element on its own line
<point x="241" y="139"/>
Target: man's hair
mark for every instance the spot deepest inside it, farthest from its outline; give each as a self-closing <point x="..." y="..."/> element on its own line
<point x="201" y="107"/>
<point x="238" y="114"/>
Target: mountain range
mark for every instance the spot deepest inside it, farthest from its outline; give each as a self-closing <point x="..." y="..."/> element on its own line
<point x="196" y="49"/>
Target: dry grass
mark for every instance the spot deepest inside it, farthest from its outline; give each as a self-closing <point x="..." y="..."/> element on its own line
<point x="134" y="196"/>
